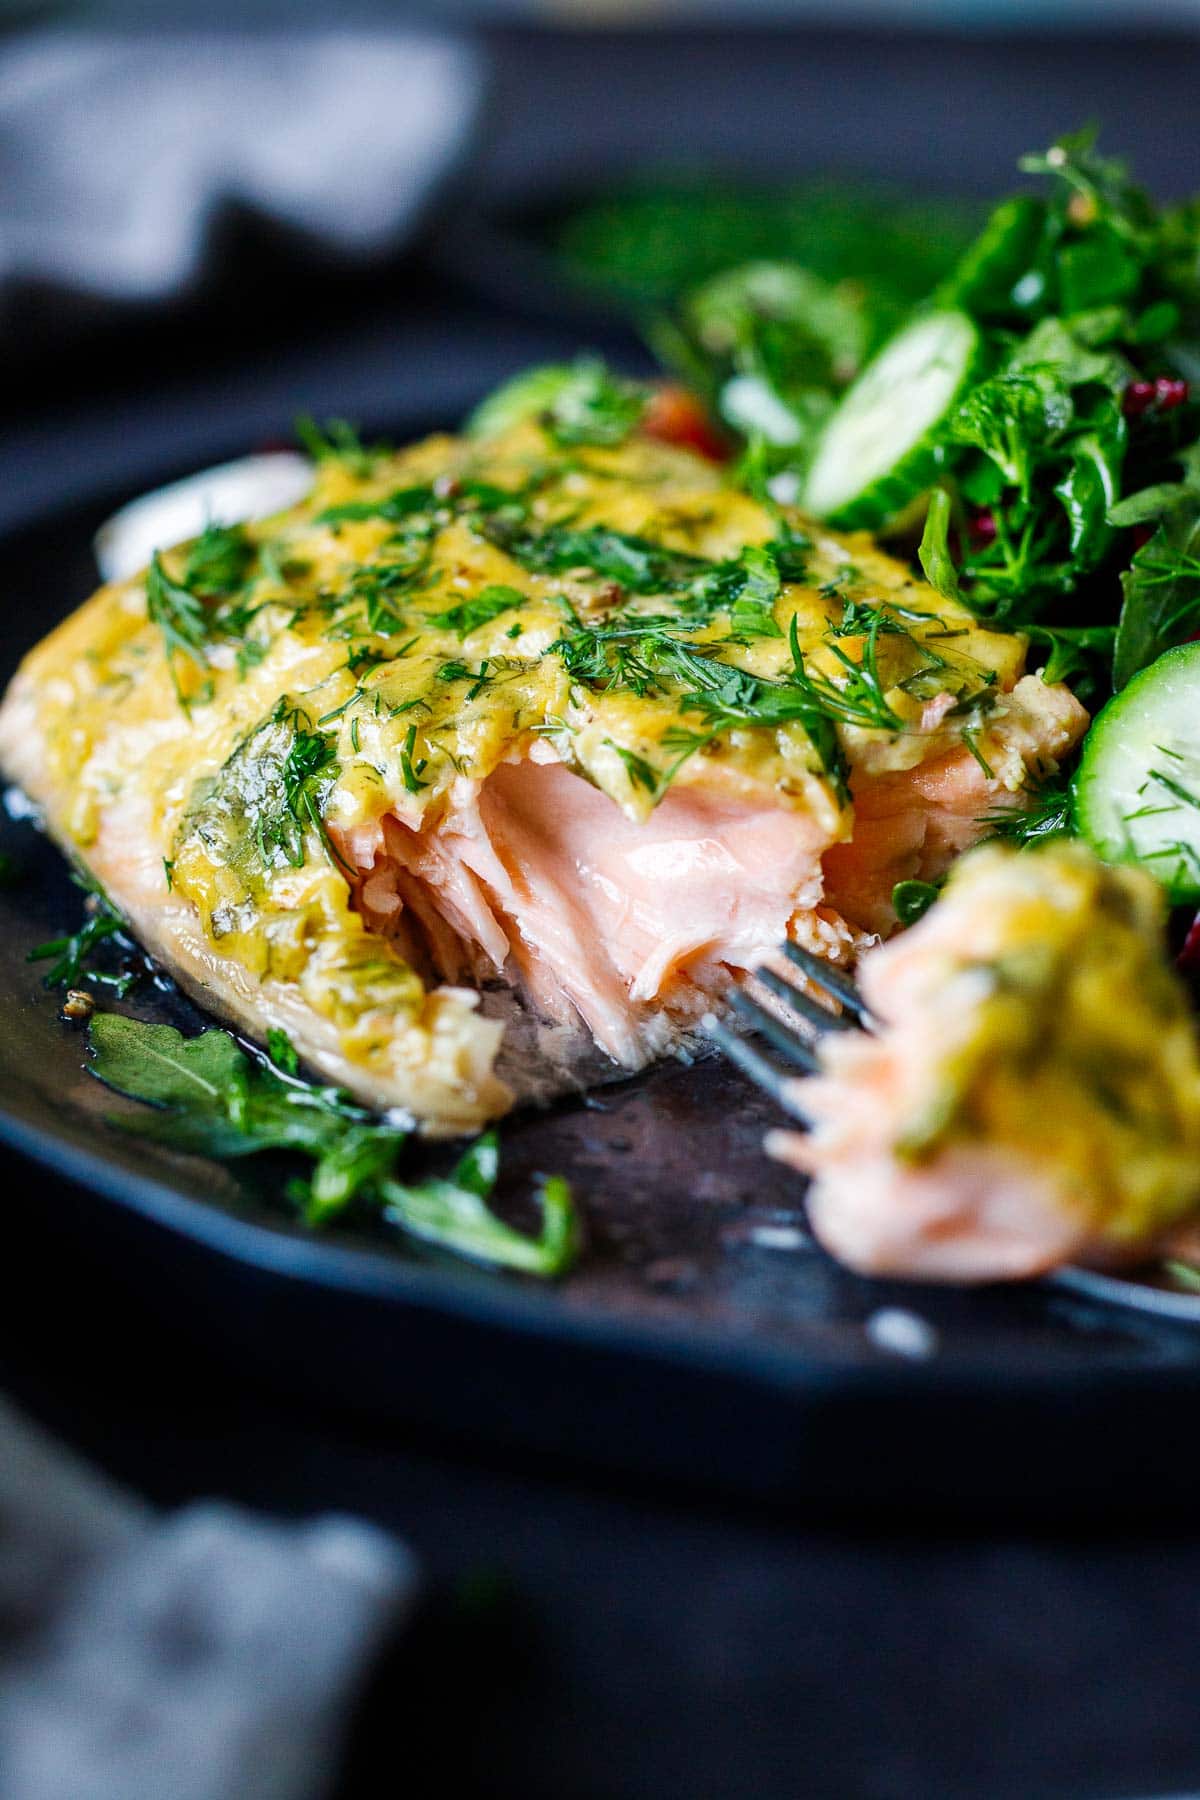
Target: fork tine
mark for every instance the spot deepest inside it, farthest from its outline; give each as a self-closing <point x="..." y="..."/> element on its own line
<point x="831" y="980"/>
<point x="818" y="1016"/>
<point x="775" y="1030"/>
<point x="751" y="1063"/>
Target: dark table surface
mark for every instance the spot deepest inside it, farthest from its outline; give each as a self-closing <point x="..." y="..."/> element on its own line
<point x="583" y="1638"/>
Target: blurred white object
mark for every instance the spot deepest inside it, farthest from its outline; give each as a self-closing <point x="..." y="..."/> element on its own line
<point x="206" y="1654"/>
<point x="119" y="153"/>
<point x="232" y="493"/>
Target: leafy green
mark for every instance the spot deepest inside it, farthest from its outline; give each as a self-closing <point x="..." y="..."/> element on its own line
<point x="212" y="1099"/>
<point x="1161" y="586"/>
<point x="1087" y="301"/>
<point x="454" y="1214"/>
<point x="652" y="242"/>
<point x="772" y="344"/>
<point x="577" y="403"/>
<point x="1076" y="652"/>
<point x="934" y="550"/>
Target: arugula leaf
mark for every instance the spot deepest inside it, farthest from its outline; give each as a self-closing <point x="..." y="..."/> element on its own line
<point x="1089" y="488"/>
<point x="1161" y="589"/>
<point x="212" y="1099"/>
<point x="1074" y="649"/>
<point x="454" y="1214"/>
<point x="208" y="1074"/>
<point x="934" y="549"/>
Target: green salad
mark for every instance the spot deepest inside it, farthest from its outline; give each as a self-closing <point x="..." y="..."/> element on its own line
<point x="1023" y="422"/>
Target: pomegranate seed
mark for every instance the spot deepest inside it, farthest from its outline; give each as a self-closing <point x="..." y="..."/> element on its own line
<point x="983" y="527"/>
<point x="1169" y="393"/>
<point x="1138" y="398"/>
<point x="1189" y="957"/>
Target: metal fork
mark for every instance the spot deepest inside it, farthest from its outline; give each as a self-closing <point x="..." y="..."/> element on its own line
<point x="792" y="1027"/>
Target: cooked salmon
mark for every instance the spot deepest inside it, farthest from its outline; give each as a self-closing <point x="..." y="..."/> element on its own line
<point x="1031" y="1094"/>
<point x="583" y="722"/>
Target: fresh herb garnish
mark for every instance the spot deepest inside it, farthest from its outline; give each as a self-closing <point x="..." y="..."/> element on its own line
<point x="212" y="1099"/>
<point x="256" y="813"/>
<point x="73" y="954"/>
<point x="634" y="563"/>
<point x="219" y="561"/>
<point x="338" y="441"/>
<point x="481" y="609"/>
<point x="182" y="618"/>
<point x="1046" y="813"/>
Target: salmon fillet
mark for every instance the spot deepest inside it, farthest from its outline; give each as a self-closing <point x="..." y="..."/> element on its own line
<point x="584" y="724"/>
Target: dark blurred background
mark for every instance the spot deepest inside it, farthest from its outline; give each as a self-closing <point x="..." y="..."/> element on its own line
<point x="584" y="1639"/>
<point x="277" y="313"/>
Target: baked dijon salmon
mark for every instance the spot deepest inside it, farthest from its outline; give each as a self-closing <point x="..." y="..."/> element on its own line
<point x="583" y="719"/>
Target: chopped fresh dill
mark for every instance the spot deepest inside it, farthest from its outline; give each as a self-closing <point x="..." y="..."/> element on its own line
<point x="182" y="618"/>
<point x="411" y="771"/>
<point x="485" y="606"/>
<point x="73" y="954"/>
<point x="1046" y="814"/>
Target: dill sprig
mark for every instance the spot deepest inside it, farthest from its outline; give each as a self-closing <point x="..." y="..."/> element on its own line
<point x="73" y="954"/>
<point x="859" y="699"/>
<point x="306" y="776"/>
<point x="182" y="618"/>
<point x="1047" y="814"/>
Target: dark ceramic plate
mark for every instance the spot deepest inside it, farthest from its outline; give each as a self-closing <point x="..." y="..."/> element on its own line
<point x="703" y="1336"/>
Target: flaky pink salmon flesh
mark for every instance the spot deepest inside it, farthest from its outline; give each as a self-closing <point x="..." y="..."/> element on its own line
<point x="638" y="927"/>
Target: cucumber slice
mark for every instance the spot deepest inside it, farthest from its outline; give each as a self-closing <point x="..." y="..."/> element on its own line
<point x="876" y="455"/>
<point x="1137" y="791"/>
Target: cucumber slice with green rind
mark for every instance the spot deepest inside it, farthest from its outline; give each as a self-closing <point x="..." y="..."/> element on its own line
<point x="1137" y="789"/>
<point x="879" y="449"/>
